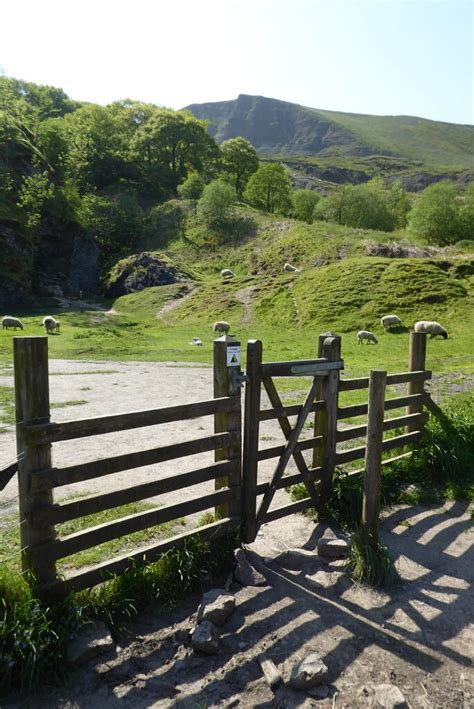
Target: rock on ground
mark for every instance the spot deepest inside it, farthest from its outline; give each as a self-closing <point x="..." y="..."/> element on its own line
<point x="91" y="640"/>
<point x="308" y="672"/>
<point x="216" y="606"/>
<point x="205" y="638"/>
<point x="244" y="571"/>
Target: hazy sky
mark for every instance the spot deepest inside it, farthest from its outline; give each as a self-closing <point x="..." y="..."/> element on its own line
<point x="375" y="56"/>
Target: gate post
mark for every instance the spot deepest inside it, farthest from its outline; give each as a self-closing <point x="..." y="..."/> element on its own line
<point x="325" y="421"/>
<point x="251" y="436"/>
<point x="227" y="383"/>
<point x="373" y="452"/>
<point x="30" y="356"/>
<point x="416" y="362"/>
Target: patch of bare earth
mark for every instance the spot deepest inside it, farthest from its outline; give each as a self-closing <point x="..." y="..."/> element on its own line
<point x="185" y="292"/>
<point x="245" y="296"/>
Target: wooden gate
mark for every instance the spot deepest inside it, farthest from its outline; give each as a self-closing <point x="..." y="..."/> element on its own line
<point x="321" y="400"/>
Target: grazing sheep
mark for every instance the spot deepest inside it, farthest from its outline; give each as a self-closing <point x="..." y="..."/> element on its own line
<point x="366" y="335"/>
<point x="221" y="326"/>
<point x="227" y="273"/>
<point x="292" y="269"/>
<point x="51" y="324"/>
<point x="9" y="321"/>
<point x="196" y="341"/>
<point x="389" y="321"/>
<point x="431" y="328"/>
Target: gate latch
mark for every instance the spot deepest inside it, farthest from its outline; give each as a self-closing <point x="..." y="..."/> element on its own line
<point x="242" y="378"/>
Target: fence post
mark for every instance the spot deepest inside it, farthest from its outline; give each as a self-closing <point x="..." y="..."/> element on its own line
<point x="251" y="436"/>
<point x="226" y="383"/>
<point x="416" y="362"/>
<point x="373" y="452"/>
<point x="325" y="421"/>
<point x="30" y="356"/>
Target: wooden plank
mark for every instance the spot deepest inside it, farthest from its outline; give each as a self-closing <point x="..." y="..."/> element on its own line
<point x="291" y="509"/>
<point x="401" y="378"/>
<point x="345" y="412"/>
<point x="7" y="473"/>
<point x="226" y="383"/>
<point x="373" y="454"/>
<point x="286" y="411"/>
<point x="143" y="555"/>
<point x="251" y="439"/>
<point x="30" y="355"/>
<point x="106" y="466"/>
<point x="287" y="431"/>
<point x="349" y="434"/>
<point x="283" y="369"/>
<point x="416" y="361"/>
<point x="400" y="441"/>
<point x="94" y="536"/>
<point x="387" y="461"/>
<point x="274" y="451"/>
<point x="58" y="513"/>
<point x="350" y="455"/>
<point x="313" y="474"/>
<point x="287" y="452"/>
<point x="53" y="432"/>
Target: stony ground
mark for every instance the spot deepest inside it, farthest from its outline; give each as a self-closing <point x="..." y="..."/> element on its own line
<point x="418" y="636"/>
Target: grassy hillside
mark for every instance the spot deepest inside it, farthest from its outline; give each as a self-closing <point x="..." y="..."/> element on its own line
<point x="340" y="288"/>
<point x="287" y="129"/>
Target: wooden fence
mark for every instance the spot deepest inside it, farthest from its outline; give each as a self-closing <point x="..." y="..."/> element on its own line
<point x="37" y="477"/>
<point x="242" y="501"/>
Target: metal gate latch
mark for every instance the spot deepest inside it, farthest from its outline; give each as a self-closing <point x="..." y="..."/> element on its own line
<point x="242" y="379"/>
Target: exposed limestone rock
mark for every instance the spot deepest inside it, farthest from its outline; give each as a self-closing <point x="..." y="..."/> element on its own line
<point x="309" y="672"/>
<point x="216" y="606"/>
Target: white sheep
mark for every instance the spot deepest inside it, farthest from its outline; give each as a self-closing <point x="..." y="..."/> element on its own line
<point x="367" y="336"/>
<point x="227" y="273"/>
<point x="221" y="326"/>
<point x="196" y="341"/>
<point x="291" y="269"/>
<point x="431" y="328"/>
<point x="51" y="324"/>
<point x="389" y="321"/>
<point x="9" y="321"/>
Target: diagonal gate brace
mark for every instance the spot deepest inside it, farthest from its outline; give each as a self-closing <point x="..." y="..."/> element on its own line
<point x="287" y="453"/>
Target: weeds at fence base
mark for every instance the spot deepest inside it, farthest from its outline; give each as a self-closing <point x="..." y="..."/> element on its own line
<point x="369" y="561"/>
<point x="33" y="632"/>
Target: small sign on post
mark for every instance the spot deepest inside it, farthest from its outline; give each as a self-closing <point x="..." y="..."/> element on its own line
<point x="233" y="355"/>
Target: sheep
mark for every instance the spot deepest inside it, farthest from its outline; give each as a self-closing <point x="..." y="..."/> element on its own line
<point x="431" y="328"/>
<point x="288" y="267"/>
<point x="9" y="321"/>
<point x="51" y="324"/>
<point x="366" y="335"/>
<point x="196" y="341"/>
<point x="227" y="273"/>
<point x="389" y="321"/>
<point x="221" y="326"/>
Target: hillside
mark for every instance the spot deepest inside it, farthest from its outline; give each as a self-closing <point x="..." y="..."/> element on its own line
<point x="290" y="131"/>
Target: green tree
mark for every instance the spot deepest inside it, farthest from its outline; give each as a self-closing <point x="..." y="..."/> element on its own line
<point x="357" y="206"/>
<point x="217" y="198"/>
<point x="239" y="161"/>
<point x="192" y="187"/>
<point x="466" y="213"/>
<point x="170" y="144"/>
<point x="304" y="202"/>
<point x="435" y="215"/>
<point x="270" y="188"/>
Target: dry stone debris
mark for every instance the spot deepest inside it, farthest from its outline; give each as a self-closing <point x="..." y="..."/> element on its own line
<point x="388" y="696"/>
<point x="270" y="671"/>
<point x="309" y="672"/>
<point x="244" y="571"/>
<point x="216" y="606"/>
<point x="332" y="547"/>
<point x="91" y="640"/>
<point x="206" y="638"/>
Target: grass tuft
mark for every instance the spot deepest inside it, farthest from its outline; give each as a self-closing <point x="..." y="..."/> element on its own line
<point x="370" y="562"/>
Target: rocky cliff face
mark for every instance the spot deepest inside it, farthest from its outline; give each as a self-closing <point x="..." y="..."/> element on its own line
<point x="142" y="271"/>
<point x="15" y="267"/>
<point x="84" y="266"/>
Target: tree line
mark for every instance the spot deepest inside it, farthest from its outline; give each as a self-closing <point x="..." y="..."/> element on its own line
<point x="68" y="167"/>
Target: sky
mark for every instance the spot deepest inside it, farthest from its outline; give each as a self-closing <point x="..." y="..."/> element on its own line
<point x="385" y="57"/>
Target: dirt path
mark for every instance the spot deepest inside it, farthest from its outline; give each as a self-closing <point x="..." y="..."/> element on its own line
<point x="418" y="637"/>
<point x="185" y="292"/>
<point x="244" y="296"/>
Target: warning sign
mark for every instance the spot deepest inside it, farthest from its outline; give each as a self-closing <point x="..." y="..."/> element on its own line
<point x="233" y="356"/>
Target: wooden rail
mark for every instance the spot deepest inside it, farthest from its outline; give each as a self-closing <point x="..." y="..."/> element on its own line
<point x="401" y="378"/>
<point x="40" y="434"/>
